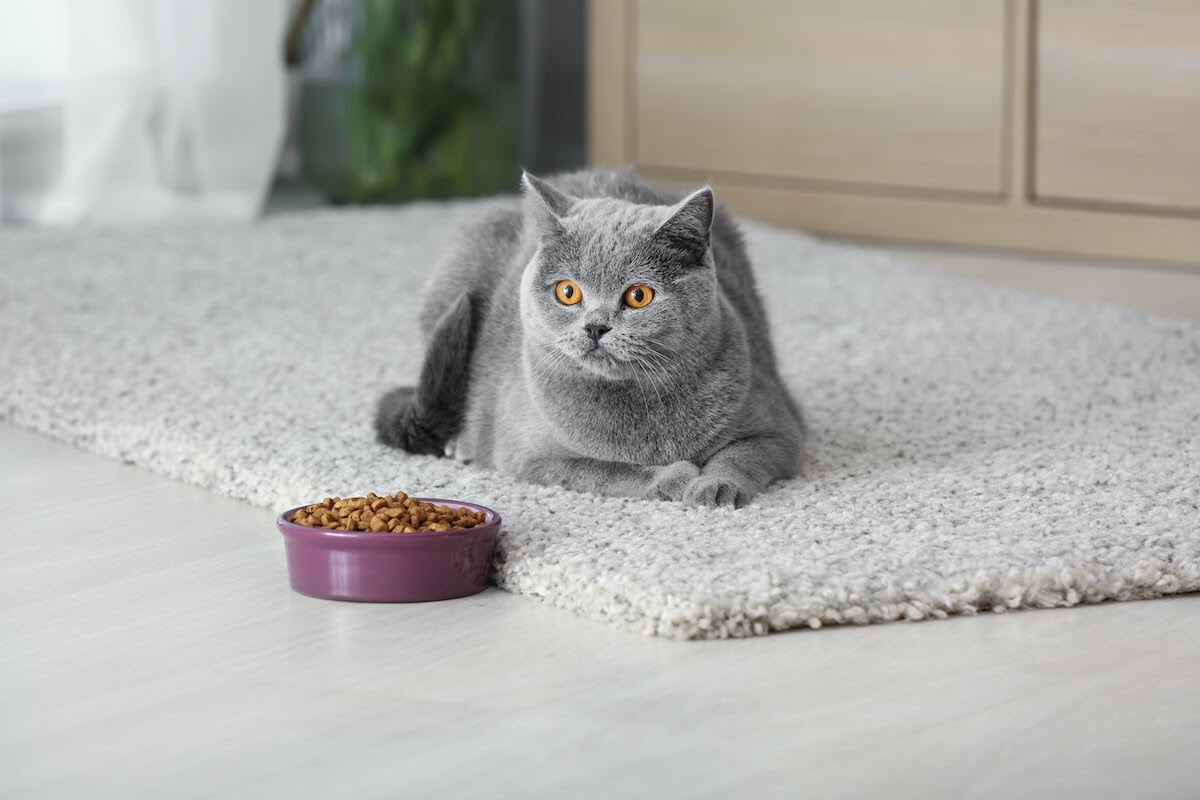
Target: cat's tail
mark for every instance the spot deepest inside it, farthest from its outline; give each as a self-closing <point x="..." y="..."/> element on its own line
<point x="423" y="418"/>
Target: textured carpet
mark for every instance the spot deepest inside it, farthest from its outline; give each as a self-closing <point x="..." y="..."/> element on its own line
<point x="972" y="447"/>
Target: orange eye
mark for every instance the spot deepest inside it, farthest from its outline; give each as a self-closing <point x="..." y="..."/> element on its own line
<point x="638" y="296"/>
<point x="568" y="292"/>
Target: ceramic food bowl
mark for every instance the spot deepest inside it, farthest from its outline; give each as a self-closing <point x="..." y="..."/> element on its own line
<point x="390" y="567"/>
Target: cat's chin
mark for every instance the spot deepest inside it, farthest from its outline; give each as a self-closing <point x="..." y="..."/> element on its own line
<point x="604" y="365"/>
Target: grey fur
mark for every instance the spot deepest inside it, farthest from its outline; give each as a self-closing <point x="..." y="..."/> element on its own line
<point x="422" y="419"/>
<point x="680" y="400"/>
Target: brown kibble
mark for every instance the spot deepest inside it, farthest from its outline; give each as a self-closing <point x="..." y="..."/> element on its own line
<point x="398" y="513"/>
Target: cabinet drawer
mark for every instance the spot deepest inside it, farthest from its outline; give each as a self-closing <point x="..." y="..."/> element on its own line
<point x="892" y="93"/>
<point x="1118" y="103"/>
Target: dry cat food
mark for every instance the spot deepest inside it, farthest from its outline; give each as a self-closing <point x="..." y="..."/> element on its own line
<point x="396" y="513"/>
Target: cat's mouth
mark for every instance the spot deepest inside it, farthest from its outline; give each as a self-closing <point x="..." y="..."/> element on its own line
<point x="604" y="362"/>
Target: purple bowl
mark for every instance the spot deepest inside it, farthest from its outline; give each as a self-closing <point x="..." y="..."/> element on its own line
<point x="390" y="567"/>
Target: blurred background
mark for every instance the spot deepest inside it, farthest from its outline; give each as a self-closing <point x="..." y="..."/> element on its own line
<point x="125" y="111"/>
<point x="1049" y="126"/>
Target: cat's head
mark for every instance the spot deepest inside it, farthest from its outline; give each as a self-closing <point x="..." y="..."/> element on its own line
<point x="619" y="289"/>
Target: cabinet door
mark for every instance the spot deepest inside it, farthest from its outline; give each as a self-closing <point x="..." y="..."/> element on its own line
<point x="1118" y="103"/>
<point x="892" y="93"/>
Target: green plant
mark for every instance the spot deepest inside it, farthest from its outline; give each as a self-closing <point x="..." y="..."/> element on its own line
<point x="429" y="102"/>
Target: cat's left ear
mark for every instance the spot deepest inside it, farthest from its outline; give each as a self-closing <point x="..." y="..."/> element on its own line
<point x="545" y="206"/>
<point x="689" y="225"/>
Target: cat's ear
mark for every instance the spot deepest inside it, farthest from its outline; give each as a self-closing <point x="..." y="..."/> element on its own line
<point x="690" y="222"/>
<point x="545" y="206"/>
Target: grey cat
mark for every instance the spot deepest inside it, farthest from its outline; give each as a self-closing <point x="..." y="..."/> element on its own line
<point x="605" y="337"/>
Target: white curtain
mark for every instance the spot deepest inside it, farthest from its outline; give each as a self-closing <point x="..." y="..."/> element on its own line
<point x="147" y="110"/>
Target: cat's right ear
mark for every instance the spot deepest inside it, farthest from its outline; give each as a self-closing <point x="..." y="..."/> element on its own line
<point x="545" y="206"/>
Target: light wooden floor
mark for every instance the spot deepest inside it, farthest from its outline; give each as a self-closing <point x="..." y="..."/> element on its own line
<point x="150" y="647"/>
<point x="1160" y="290"/>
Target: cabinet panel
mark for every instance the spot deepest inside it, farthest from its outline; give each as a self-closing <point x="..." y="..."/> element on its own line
<point x="1118" y="102"/>
<point x="897" y="93"/>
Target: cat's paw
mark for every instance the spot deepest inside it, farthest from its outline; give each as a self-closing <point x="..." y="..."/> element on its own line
<point x="713" y="491"/>
<point x="670" y="481"/>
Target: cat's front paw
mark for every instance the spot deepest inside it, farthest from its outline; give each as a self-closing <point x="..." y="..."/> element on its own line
<point x="670" y="481"/>
<point x="716" y="490"/>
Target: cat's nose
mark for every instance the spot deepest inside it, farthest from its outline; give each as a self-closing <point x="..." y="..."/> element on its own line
<point x="596" y="331"/>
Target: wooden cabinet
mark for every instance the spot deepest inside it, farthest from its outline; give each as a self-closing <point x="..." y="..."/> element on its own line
<point x="1067" y="126"/>
<point x="824" y="91"/>
<point x="1118" y="103"/>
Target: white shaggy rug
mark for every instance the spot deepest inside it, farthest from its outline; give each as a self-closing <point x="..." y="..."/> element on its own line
<point x="971" y="447"/>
